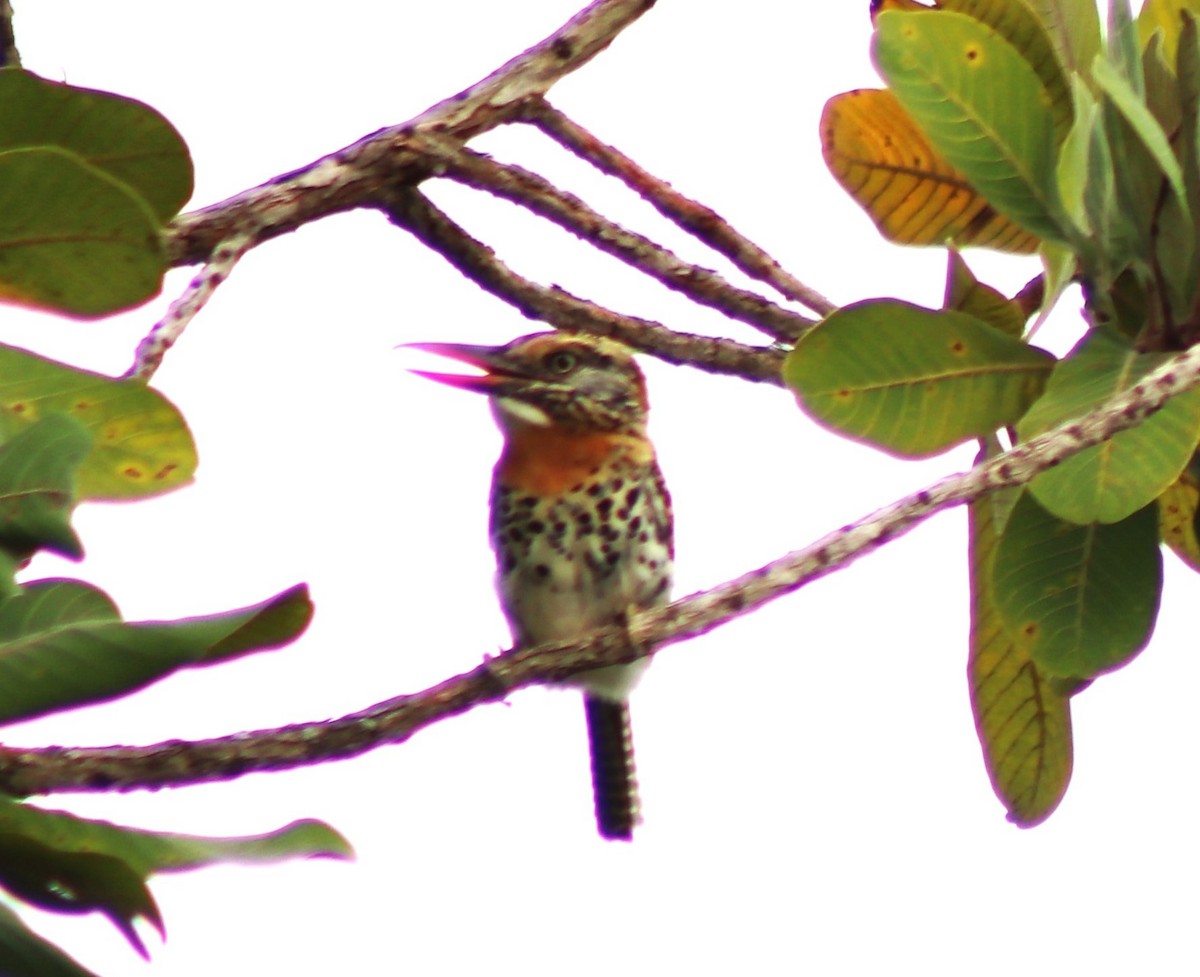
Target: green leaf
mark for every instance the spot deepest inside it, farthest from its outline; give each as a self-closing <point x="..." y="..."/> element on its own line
<point x="68" y="864"/>
<point x="1162" y="87"/>
<point x="125" y="138"/>
<point x="72" y="237"/>
<point x="982" y="106"/>
<point x="1076" y="157"/>
<point x="1113" y="228"/>
<point x="1143" y="123"/>
<point x="269" y="624"/>
<point x="1175" y="248"/>
<point x="1074" y="29"/>
<point x="1123" y="47"/>
<point x="1023" y="723"/>
<point x="1110" y="481"/>
<point x="912" y="381"/>
<point x="1078" y="600"/>
<point x="148" y="852"/>
<point x="25" y="954"/>
<point x="1016" y="22"/>
<point x="86" y="181"/>
<point x="306" y="838"/>
<point x="1128" y="306"/>
<point x="965" y="293"/>
<point x="61" y="647"/>
<point x="77" y="882"/>
<point x="45" y="605"/>
<point x="1139" y="188"/>
<point x="9" y="565"/>
<point x="1187" y="143"/>
<point x="1174" y="244"/>
<point x="37" y="480"/>
<point x="141" y="445"/>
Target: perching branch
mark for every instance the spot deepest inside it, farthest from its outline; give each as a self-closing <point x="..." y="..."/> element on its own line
<point x="177" y="763"/>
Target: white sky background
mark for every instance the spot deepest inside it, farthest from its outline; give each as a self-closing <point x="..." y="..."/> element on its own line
<point x="814" y="795"/>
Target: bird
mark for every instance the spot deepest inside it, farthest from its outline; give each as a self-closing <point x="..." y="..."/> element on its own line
<point x="581" y="520"/>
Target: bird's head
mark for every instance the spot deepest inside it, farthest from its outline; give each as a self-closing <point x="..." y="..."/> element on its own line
<point x="572" y="381"/>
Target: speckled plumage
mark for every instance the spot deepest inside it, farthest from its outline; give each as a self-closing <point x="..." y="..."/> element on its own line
<point x="580" y="519"/>
<point x="575" y="560"/>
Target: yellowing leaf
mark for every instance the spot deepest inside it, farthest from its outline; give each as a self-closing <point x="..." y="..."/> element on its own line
<point x="1177" y="510"/>
<point x="1023" y="723"/>
<point x="140" y="443"/>
<point x="879" y="6"/>
<point x="880" y="157"/>
<point x="1165" y="16"/>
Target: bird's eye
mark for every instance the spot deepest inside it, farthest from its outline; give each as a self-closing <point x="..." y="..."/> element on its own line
<point x="561" y="362"/>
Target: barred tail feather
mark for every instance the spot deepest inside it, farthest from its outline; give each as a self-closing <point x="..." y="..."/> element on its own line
<point x="614" y="781"/>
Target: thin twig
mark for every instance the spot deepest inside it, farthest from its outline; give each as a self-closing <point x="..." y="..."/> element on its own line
<point x="347" y="178"/>
<point x="700" y="221"/>
<point x="170" y="327"/>
<point x="413" y="211"/>
<point x="176" y="763"/>
<point x="701" y="285"/>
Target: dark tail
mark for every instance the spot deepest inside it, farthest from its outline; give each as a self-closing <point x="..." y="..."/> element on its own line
<point x="614" y="781"/>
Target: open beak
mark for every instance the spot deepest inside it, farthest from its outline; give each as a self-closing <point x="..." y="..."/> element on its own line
<point x="486" y="358"/>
